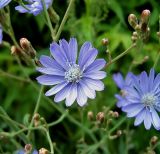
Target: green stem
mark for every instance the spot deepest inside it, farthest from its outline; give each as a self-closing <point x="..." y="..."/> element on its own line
<point x="48" y="20"/>
<point x="64" y="20"/>
<point x="121" y="55"/>
<point x="2" y="73"/>
<point x="36" y="109"/>
<point x="59" y="120"/>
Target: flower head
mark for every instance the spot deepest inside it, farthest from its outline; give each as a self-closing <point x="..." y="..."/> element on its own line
<point x="143" y="99"/>
<point x="3" y="3"/>
<point x="34" y="7"/>
<point x="74" y="78"/>
<point x="122" y="83"/>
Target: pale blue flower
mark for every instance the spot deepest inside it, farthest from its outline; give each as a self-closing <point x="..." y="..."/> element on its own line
<point x="23" y="152"/>
<point x="3" y="3"/>
<point x="143" y="99"/>
<point x="34" y="7"/>
<point x="75" y="79"/>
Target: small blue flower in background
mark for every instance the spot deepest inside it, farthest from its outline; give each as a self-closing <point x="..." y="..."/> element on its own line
<point x="34" y="7"/>
<point x="1" y="34"/>
<point x="3" y="3"/>
<point x="23" y="152"/>
<point x="143" y="99"/>
<point x="75" y="79"/>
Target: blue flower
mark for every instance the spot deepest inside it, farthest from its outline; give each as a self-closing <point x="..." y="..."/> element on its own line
<point x="1" y="34"/>
<point x="74" y="78"/>
<point x="143" y="99"/>
<point x="3" y="3"/>
<point x="34" y="7"/>
<point x="121" y="83"/>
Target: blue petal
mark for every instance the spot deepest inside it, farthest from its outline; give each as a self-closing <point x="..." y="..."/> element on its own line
<point x="155" y="118"/>
<point x="49" y="62"/>
<point x="89" y="58"/>
<point x="73" y="47"/>
<point x="147" y="120"/>
<point x="97" y="65"/>
<point x="95" y="75"/>
<point x="94" y="84"/>
<point x="83" y="51"/>
<point x="81" y="96"/>
<point x="21" y="9"/>
<point x="133" y="109"/>
<point x="119" y="80"/>
<point x="140" y="117"/>
<point x="144" y="82"/>
<point x="62" y="94"/>
<point x="3" y="3"/>
<point x="89" y="92"/>
<point x="56" y="89"/>
<point x="59" y="55"/>
<point x="1" y="34"/>
<point x="72" y="95"/>
<point x="50" y="71"/>
<point x="151" y="79"/>
<point x="50" y="79"/>
<point x="65" y="48"/>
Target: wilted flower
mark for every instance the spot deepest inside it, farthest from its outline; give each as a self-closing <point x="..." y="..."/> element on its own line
<point x="143" y="99"/>
<point x="122" y="83"/>
<point x="3" y="3"/>
<point x="74" y="79"/>
<point x="1" y="34"/>
<point x="33" y="7"/>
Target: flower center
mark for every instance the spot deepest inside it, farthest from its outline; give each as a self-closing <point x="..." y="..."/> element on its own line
<point x="149" y="99"/>
<point x="73" y="74"/>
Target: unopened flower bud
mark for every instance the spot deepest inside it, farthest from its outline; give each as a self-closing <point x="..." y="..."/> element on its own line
<point x="132" y="19"/>
<point x="105" y="41"/>
<point x="43" y="151"/>
<point x="28" y="148"/>
<point x="115" y="114"/>
<point x="27" y="47"/>
<point x="135" y="34"/>
<point x="119" y="133"/>
<point x="145" y="16"/>
<point x="15" y="50"/>
<point x="134" y="39"/>
<point x="154" y="140"/>
<point x="90" y="115"/>
<point x="158" y="34"/>
<point x="36" y="119"/>
<point x="100" y="117"/>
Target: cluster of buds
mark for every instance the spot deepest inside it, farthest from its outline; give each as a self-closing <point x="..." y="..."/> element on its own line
<point x="113" y="114"/>
<point x="25" y="51"/>
<point x="141" y="26"/>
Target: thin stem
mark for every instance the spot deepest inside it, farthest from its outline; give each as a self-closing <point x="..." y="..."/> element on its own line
<point x="59" y="120"/>
<point x="36" y="109"/>
<point x="50" y="142"/>
<point x="13" y="76"/>
<point x="121" y="55"/>
<point x="64" y="20"/>
<point x="48" y="20"/>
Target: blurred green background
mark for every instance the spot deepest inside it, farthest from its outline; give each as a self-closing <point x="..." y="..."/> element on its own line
<point x="89" y="20"/>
